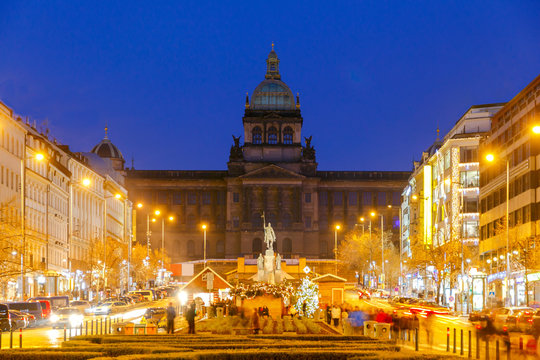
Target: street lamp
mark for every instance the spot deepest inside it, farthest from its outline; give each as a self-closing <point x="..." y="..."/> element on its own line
<point x="335" y="245"/>
<point x="491" y="158"/>
<point x="204" y="243"/>
<point x="382" y="247"/>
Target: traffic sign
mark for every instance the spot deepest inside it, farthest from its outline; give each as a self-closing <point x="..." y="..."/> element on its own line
<point x="451" y="299"/>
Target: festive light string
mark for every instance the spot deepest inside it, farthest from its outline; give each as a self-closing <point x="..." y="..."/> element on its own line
<point x="249" y="291"/>
<point x="307" y="293"/>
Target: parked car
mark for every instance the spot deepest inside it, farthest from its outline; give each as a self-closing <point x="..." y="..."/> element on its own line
<point x="109" y="308"/>
<point x="82" y="305"/>
<point x="29" y="307"/>
<point x="19" y="320"/>
<point x="535" y="326"/>
<point x="56" y="302"/>
<point x="45" y="309"/>
<point x="5" y="319"/>
<point x="148" y="295"/>
<point x="70" y="317"/>
<point x="505" y="318"/>
<point x="524" y="320"/>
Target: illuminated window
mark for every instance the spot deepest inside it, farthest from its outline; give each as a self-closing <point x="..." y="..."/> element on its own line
<point x="256" y="136"/>
<point x="288" y="136"/>
<point x="272" y="135"/>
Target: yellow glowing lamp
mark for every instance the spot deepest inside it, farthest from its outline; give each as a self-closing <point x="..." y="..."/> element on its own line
<point x="40" y="156"/>
<point x="86" y="182"/>
<point x="171" y="218"/>
<point x="139" y="205"/>
<point x="338" y="227"/>
<point x="362" y="219"/>
<point x="157" y="212"/>
<point x="153" y="220"/>
<point x="490" y="157"/>
<point x="372" y="213"/>
<point x="118" y="196"/>
<point x="536" y="129"/>
<point x="415" y="197"/>
<point x="203" y="226"/>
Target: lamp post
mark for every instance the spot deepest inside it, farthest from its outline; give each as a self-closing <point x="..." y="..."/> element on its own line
<point x="204" y="243"/>
<point x="335" y="246"/>
<point x="382" y="248"/>
<point x="491" y="158"/>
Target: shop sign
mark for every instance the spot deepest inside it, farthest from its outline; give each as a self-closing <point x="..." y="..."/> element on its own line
<point x="496" y="276"/>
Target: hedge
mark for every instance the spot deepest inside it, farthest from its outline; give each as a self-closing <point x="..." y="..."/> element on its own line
<point x="47" y="355"/>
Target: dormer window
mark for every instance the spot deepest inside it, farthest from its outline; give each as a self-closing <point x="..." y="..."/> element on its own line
<point x="256" y="136"/>
<point x="272" y="135"/>
<point x="288" y="136"/>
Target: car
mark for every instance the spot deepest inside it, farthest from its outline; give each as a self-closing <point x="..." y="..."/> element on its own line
<point x="109" y="307"/>
<point x="45" y="309"/>
<point x="148" y="295"/>
<point x="505" y="318"/>
<point x="29" y="307"/>
<point x="155" y="314"/>
<point x="70" y="317"/>
<point x="82" y="305"/>
<point x="19" y="320"/>
<point x="5" y="319"/>
<point x="524" y="320"/>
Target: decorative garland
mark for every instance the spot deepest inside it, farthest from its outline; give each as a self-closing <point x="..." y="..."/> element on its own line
<point x="249" y="291"/>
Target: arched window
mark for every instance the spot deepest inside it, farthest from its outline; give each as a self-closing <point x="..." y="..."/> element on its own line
<point x="256" y="247"/>
<point x="256" y="135"/>
<point x="288" y="135"/>
<point x="190" y="248"/>
<point x="287" y="247"/>
<point x="272" y="135"/>
<point x="220" y="248"/>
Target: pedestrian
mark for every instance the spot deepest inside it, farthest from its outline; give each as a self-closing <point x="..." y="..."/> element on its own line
<point x="428" y="325"/>
<point x="171" y="314"/>
<point x="304" y="306"/>
<point x="190" y="317"/>
<point x="328" y="314"/>
<point x="255" y="323"/>
<point x="336" y="314"/>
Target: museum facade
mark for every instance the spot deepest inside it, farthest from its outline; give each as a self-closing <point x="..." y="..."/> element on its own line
<point x="273" y="172"/>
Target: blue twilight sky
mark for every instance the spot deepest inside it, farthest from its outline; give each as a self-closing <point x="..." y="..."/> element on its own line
<point x="375" y="77"/>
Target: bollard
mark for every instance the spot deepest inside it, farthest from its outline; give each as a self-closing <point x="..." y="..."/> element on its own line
<point x="520" y="343"/>
<point x="0" y="339"/>
<point x="508" y="349"/>
<point x="105" y="326"/>
<point x="415" y="338"/>
<point x="20" y="338"/>
<point x="454" y="340"/>
<point x="65" y="335"/>
<point x="110" y="327"/>
<point x="461" y="346"/>
<point x="92" y="327"/>
<point x="447" y="339"/>
<point x="487" y="348"/>
<point x="497" y="350"/>
<point x="86" y="327"/>
<point x="80" y="329"/>
<point x="11" y="338"/>
<point x="470" y="351"/>
<point x="101" y="326"/>
<point x="477" y="345"/>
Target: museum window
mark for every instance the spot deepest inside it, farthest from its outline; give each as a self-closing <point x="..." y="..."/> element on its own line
<point x="206" y="198"/>
<point x="288" y="135"/>
<point x="177" y="198"/>
<point x="324" y="249"/>
<point x="307" y="197"/>
<point x="190" y="248"/>
<point x="220" y="198"/>
<point x="272" y="135"/>
<point x="307" y="222"/>
<point x="192" y="198"/>
<point x="236" y="221"/>
<point x="323" y="198"/>
<point x="338" y="198"/>
<point x="191" y="222"/>
<point x="236" y="197"/>
<point x="381" y="199"/>
<point x="367" y="198"/>
<point x="256" y="220"/>
<point x="162" y="197"/>
<point x="353" y="197"/>
<point x="256" y="247"/>
<point x="396" y="198"/>
<point x="286" y="220"/>
<point x="287" y="248"/>
<point x="256" y="135"/>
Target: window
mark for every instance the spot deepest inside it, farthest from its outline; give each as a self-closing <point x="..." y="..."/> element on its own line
<point x="324" y="249"/>
<point x="192" y="198"/>
<point x="469" y="179"/>
<point x="286" y="220"/>
<point x="396" y="198"/>
<point x="191" y="223"/>
<point x="177" y="198"/>
<point x="256" y="220"/>
<point x="323" y="198"/>
<point x="307" y="197"/>
<point x="338" y="198"/>
<point x="162" y="197"/>
<point x="190" y="248"/>
<point x="272" y="135"/>
<point x="307" y="222"/>
<point x="468" y="154"/>
<point x="447" y="159"/>
<point x="206" y="198"/>
<point x="470" y="205"/>
<point x="256" y="247"/>
<point x="353" y="198"/>
<point x="367" y="199"/>
<point x="381" y="199"/>
<point x="288" y="135"/>
<point x="220" y="248"/>
<point x="287" y="247"/>
<point x="236" y="197"/>
<point x="470" y="229"/>
<point x="236" y="221"/>
<point x="220" y="198"/>
<point x="256" y="135"/>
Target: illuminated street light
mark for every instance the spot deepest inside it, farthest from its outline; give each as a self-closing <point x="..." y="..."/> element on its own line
<point x="536" y="129"/>
<point x="139" y="205"/>
<point x="86" y="182"/>
<point x="118" y="196"/>
<point x="203" y="226"/>
<point x="40" y="156"/>
<point x="157" y="212"/>
<point x="490" y="157"/>
<point x="335" y="244"/>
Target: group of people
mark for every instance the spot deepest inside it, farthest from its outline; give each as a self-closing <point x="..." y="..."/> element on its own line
<point x="190" y="314"/>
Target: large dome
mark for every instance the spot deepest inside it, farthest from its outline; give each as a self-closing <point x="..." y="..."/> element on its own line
<point x="272" y="93"/>
<point x="106" y="149"/>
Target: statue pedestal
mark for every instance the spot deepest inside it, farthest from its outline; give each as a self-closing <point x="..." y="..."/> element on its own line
<point x="269" y="267"/>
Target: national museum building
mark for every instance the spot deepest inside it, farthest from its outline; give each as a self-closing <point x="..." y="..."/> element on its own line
<point x="273" y="173"/>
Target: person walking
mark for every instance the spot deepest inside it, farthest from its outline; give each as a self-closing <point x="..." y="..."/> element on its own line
<point x="336" y="315"/>
<point x="255" y="323"/>
<point x="190" y="317"/>
<point x="171" y="314"/>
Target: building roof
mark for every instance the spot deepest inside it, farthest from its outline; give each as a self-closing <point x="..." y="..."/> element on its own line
<point x="106" y="149"/>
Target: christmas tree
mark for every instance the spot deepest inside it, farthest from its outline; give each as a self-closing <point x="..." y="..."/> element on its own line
<point x="307" y="293"/>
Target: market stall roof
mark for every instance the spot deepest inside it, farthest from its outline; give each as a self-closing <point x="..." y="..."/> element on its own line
<point x="329" y="278"/>
<point x="202" y="280"/>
